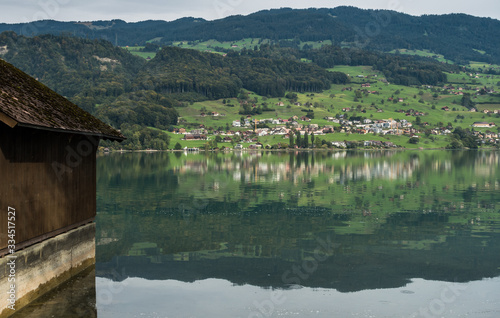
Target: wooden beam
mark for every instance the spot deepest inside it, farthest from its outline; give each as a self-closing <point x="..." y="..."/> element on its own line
<point x="7" y="120"/>
<point x="41" y="238"/>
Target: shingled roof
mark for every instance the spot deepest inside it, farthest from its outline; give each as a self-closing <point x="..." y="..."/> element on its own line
<point x="26" y="102"/>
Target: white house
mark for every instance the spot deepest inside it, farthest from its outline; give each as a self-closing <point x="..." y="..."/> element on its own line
<point x="339" y="144"/>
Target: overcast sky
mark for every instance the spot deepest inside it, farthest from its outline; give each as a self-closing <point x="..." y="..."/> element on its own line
<point x="14" y="11"/>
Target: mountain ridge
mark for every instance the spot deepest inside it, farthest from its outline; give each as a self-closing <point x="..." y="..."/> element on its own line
<point x="458" y="36"/>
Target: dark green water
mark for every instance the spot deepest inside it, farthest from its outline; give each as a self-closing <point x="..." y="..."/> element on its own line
<point x="340" y="234"/>
<point x="363" y="234"/>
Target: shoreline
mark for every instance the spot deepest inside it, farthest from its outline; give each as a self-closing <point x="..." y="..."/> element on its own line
<point x="292" y="150"/>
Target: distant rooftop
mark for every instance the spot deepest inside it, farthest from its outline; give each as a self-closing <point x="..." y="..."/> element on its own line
<point x="25" y="102"/>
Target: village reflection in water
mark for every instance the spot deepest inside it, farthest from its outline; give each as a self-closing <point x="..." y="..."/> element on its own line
<point x="387" y="219"/>
<point x="291" y="234"/>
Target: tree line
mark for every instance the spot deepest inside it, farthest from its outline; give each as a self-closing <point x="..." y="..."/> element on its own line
<point x="459" y="37"/>
<point x="214" y="76"/>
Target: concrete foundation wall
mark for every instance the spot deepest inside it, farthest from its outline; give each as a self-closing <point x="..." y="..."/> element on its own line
<point x="41" y="267"/>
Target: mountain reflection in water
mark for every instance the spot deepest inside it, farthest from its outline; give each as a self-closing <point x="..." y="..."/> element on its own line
<point x="336" y="222"/>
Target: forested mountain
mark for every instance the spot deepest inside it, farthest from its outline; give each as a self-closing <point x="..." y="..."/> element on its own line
<point x="458" y="37"/>
<point x="130" y="93"/>
<point x="94" y="73"/>
<point x="176" y="70"/>
<point x="98" y="77"/>
<point x="402" y="70"/>
<point x="89" y="72"/>
<point x="133" y="94"/>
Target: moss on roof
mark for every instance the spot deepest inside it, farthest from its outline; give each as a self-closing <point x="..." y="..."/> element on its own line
<point x="33" y="104"/>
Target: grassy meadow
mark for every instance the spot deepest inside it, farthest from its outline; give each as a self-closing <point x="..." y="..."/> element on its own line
<point x="374" y="105"/>
<point x="136" y="50"/>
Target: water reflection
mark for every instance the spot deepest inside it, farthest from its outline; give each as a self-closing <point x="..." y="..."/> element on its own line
<point x="75" y="298"/>
<point x="305" y="223"/>
<point x="221" y="299"/>
<point x="303" y="165"/>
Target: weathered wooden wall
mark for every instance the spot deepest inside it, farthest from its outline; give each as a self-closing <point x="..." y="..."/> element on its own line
<point x="48" y="178"/>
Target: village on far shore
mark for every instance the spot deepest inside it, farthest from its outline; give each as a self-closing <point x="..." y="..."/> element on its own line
<point x="293" y="126"/>
<point x="359" y="121"/>
<point x="367" y="113"/>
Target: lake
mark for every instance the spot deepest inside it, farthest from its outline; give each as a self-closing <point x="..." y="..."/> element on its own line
<point x="298" y="234"/>
<point x="301" y="234"/>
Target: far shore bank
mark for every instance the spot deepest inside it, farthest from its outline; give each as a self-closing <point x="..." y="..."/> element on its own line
<point x="228" y="150"/>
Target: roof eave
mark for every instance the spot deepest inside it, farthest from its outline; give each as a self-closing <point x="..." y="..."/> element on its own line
<point x="85" y="133"/>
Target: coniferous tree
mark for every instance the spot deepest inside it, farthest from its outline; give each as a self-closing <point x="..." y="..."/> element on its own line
<point x="305" y="141"/>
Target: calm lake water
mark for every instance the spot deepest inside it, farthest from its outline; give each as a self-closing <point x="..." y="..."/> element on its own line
<point x="325" y="234"/>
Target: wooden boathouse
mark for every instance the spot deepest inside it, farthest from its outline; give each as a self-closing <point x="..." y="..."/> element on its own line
<point x="48" y="151"/>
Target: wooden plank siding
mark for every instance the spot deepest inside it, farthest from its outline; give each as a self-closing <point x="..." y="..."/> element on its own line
<point x="45" y="199"/>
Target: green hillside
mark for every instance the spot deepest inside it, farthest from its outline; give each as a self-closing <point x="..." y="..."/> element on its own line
<point x="340" y="90"/>
<point x="331" y="102"/>
<point x="456" y="37"/>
